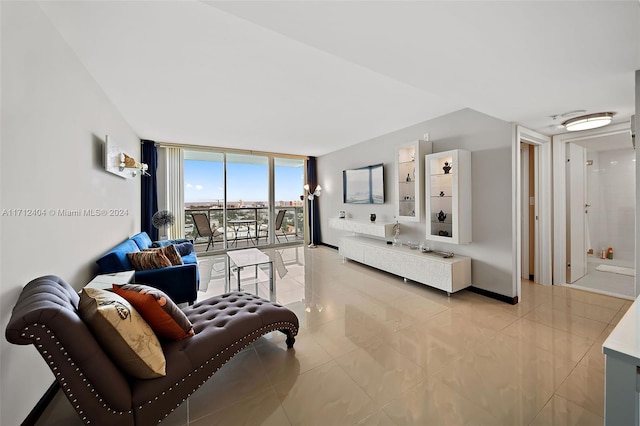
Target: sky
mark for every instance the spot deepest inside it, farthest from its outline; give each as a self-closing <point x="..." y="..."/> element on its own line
<point x="203" y="181"/>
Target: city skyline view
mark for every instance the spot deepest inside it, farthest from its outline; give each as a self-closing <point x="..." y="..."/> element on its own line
<point x="204" y="182"/>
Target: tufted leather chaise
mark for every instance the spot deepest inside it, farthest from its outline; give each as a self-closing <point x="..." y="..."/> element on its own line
<point x="46" y="316"/>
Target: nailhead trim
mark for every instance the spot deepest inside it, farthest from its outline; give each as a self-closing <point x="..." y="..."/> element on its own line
<point x="61" y="380"/>
<point x="244" y="342"/>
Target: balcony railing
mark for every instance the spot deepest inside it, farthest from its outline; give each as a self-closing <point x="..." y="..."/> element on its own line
<point x="246" y="226"/>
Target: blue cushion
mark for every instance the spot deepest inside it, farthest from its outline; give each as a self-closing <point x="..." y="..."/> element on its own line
<point x="184" y="249"/>
<point x="116" y="260"/>
<point x="190" y="258"/>
<point x="164" y="243"/>
<point x="161" y="243"/>
<point x="142" y="240"/>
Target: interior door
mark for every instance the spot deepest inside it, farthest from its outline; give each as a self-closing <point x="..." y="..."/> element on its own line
<point x="576" y="212"/>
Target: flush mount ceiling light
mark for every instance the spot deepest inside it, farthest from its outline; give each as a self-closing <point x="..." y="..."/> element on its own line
<point x="589" y="121"/>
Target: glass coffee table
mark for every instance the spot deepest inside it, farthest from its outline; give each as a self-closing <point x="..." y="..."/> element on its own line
<point x="240" y="259"/>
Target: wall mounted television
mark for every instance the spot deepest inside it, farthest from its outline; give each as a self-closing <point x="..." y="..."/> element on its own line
<point x="364" y="185"/>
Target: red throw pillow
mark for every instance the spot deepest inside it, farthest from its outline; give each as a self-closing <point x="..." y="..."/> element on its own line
<point x="158" y="310"/>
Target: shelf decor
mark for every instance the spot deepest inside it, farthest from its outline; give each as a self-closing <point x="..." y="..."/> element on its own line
<point x="448" y="196"/>
<point x="409" y="177"/>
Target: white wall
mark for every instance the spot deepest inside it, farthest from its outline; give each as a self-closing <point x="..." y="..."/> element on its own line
<point x="489" y="141"/>
<point x="611" y="193"/>
<point x="54" y="118"/>
<point x="637" y="115"/>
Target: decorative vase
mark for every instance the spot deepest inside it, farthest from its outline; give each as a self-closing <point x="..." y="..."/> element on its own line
<point x="446" y="168"/>
<point x="408" y="178"/>
<point x="442" y="193"/>
<point x="396" y="233"/>
<point x="372" y="217"/>
<point x="441" y="216"/>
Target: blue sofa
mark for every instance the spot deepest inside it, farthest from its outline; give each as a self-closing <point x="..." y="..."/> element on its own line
<point x="179" y="282"/>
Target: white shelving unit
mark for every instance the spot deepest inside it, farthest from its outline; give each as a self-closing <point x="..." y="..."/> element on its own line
<point x="409" y="177"/>
<point x="448" y="196"/>
<point x="375" y="229"/>
<point x="448" y="274"/>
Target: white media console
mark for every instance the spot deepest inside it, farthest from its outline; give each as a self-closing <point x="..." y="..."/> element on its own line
<point x="448" y="274"/>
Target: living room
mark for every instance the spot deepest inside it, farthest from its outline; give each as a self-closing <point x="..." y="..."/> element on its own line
<point x="55" y="115"/>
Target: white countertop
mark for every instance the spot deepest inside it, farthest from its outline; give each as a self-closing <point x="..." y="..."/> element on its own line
<point x="434" y="256"/>
<point x="624" y="340"/>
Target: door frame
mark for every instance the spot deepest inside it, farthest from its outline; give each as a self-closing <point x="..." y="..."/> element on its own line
<point x="525" y="196"/>
<point x="559" y="143"/>
<point x="544" y="253"/>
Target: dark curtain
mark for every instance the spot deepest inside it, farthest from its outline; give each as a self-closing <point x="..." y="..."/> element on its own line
<point x="312" y="181"/>
<point x="149" y="193"/>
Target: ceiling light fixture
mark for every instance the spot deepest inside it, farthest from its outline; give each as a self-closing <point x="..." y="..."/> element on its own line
<point x="589" y="121"/>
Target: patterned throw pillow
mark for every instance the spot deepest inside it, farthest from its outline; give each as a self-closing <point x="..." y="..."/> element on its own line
<point x="122" y="333"/>
<point x="170" y="252"/>
<point x="148" y="259"/>
<point x="164" y="317"/>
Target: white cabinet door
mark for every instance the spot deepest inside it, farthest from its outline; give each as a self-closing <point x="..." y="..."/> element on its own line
<point x="351" y="249"/>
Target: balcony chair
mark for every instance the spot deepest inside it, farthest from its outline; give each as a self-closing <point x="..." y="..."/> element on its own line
<point x="203" y="228"/>
<point x="278" y="226"/>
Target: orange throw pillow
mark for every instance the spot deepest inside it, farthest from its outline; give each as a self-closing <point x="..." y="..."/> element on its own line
<point x="158" y="310"/>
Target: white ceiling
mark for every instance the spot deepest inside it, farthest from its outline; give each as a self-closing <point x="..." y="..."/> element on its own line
<point x="312" y="77"/>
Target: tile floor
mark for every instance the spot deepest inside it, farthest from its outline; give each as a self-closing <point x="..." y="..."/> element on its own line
<point x="608" y="282"/>
<point x="373" y="350"/>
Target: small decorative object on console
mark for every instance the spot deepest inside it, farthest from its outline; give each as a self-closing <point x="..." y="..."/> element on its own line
<point x="413" y="245"/>
<point x="396" y="233"/>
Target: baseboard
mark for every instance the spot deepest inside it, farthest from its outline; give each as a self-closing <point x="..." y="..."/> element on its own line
<point x="501" y="297"/>
<point x="42" y="405"/>
<point x="329" y="245"/>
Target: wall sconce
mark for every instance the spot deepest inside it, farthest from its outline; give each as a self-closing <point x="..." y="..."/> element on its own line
<point x="130" y="164"/>
<point x="121" y="164"/>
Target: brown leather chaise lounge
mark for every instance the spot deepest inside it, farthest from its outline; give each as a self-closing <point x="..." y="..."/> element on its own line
<point x="46" y="315"/>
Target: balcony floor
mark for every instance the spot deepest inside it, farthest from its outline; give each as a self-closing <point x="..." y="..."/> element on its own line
<point x="243" y="242"/>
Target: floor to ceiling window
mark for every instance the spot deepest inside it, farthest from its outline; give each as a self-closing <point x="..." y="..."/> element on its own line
<point x="247" y="199"/>
<point x="230" y="201"/>
<point x="204" y="195"/>
<point x="289" y="195"/>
